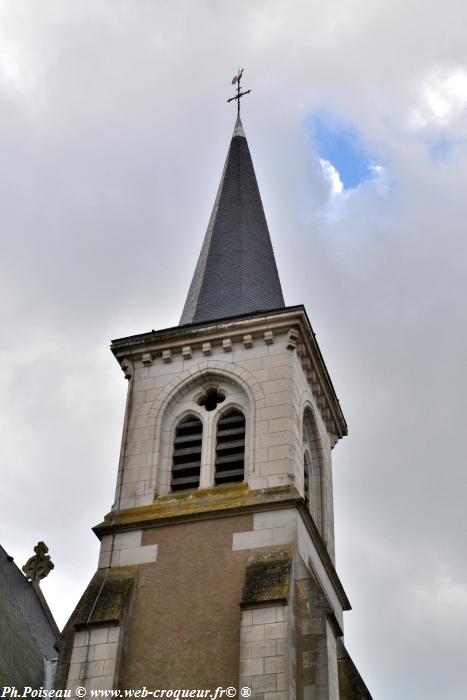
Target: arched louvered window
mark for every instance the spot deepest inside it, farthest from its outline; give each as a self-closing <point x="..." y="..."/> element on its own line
<point x="230" y="448"/>
<point x="306" y="479"/>
<point x="186" y="465"/>
<point x="312" y="461"/>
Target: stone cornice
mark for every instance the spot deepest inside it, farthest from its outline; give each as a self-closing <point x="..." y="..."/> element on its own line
<point x="163" y="345"/>
<point x="178" y="336"/>
<point x="319" y="380"/>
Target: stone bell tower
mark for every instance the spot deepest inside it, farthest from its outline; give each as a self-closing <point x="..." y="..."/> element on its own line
<point x="216" y="566"/>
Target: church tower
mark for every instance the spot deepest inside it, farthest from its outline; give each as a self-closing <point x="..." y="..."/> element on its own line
<point x="216" y="567"/>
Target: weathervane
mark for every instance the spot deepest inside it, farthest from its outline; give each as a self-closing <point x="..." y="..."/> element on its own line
<point x="240" y="94"/>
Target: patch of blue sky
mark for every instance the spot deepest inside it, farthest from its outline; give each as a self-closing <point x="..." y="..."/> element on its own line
<point x="340" y="143"/>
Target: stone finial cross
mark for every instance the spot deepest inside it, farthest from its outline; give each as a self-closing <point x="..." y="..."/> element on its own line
<point x="40" y="565"/>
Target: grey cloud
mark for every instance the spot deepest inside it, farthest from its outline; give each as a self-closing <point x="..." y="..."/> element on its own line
<point x="113" y="133"/>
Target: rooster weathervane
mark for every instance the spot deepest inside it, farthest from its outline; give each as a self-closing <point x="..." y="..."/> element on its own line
<point x="236" y="80"/>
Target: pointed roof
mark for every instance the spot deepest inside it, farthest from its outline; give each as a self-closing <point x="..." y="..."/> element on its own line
<point x="236" y="271"/>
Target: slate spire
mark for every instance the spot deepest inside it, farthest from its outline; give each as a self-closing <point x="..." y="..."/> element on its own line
<point x="236" y="271"/>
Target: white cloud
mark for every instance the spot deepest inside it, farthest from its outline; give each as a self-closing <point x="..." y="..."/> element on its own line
<point x="332" y="177"/>
<point x="442" y="98"/>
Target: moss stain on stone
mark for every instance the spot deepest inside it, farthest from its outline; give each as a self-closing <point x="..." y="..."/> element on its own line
<point x="221" y="498"/>
<point x="105" y="598"/>
<point x="267" y="575"/>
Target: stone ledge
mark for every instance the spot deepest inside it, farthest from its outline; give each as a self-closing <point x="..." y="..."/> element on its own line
<point x="220" y="501"/>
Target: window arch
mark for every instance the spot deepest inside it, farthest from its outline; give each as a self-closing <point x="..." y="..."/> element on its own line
<point x="186" y="460"/>
<point x="313" y="469"/>
<point x="306" y="478"/>
<point x="230" y="448"/>
<point x="207" y="397"/>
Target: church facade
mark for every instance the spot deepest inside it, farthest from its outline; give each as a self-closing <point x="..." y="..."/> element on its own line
<point x="217" y="564"/>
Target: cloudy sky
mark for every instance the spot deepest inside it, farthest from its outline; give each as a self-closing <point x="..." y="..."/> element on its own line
<point x="113" y="132"/>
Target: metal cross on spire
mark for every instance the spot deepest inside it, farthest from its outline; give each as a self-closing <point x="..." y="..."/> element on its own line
<point x="236" y="79"/>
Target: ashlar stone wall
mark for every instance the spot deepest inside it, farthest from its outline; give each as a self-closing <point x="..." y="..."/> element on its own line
<point x="262" y="374"/>
<point x="94" y="658"/>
